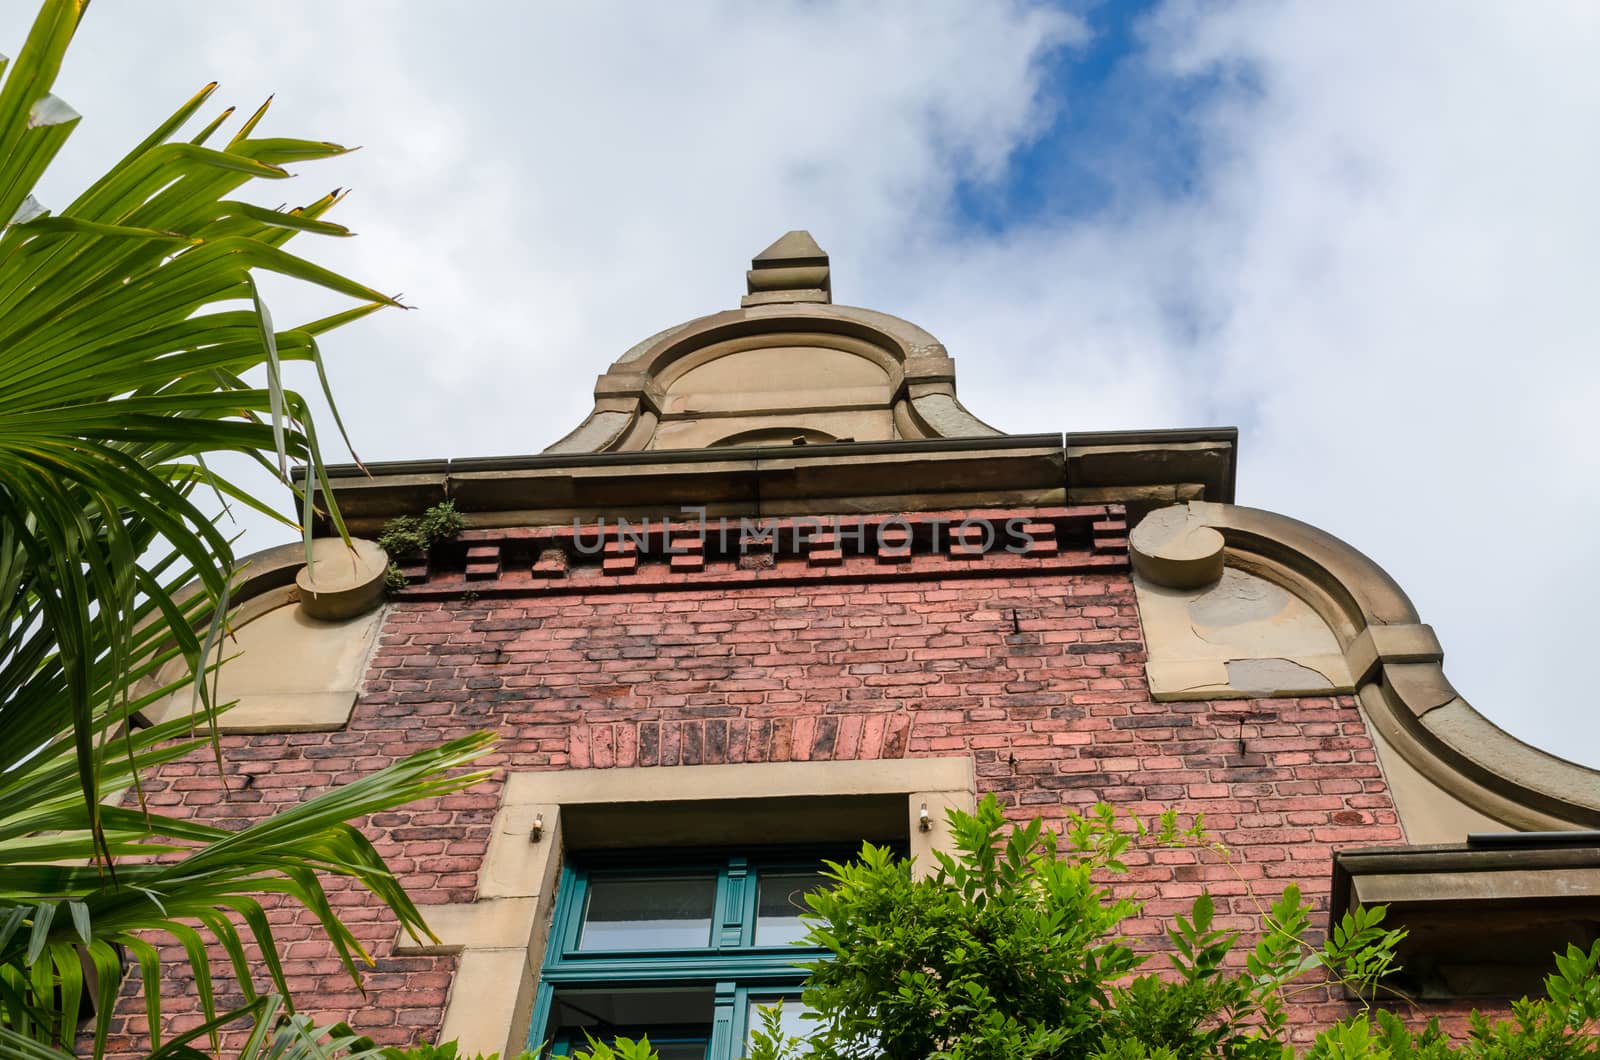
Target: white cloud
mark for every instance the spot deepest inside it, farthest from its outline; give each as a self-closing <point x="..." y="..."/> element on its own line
<point x="1407" y="219"/>
<point x="1383" y="271"/>
<point x="1392" y="245"/>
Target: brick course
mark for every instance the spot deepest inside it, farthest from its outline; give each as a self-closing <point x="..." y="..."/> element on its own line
<point x="1036" y="674"/>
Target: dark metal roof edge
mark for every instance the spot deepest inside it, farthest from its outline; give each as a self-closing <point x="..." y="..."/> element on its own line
<point x="542" y="461"/>
<point x="1154" y="434"/>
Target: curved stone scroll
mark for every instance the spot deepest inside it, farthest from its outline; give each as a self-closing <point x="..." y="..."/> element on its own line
<point x="1425" y="731"/>
<point x="301" y="637"/>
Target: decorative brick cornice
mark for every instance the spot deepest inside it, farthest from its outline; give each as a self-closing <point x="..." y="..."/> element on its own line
<point x="630" y="556"/>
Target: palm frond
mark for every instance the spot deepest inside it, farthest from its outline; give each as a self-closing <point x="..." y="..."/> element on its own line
<point x="130" y="321"/>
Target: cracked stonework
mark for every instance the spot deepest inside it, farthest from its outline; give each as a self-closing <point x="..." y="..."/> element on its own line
<point x="1241" y="636"/>
<point x="1271" y="676"/>
<point x="1238" y="599"/>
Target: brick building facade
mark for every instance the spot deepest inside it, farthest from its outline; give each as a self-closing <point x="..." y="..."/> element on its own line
<point x="781" y="589"/>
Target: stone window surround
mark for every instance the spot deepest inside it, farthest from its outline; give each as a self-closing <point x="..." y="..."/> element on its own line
<point x="500" y="937"/>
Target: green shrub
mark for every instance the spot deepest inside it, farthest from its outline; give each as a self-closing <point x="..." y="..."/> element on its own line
<point x="1011" y="949"/>
<point x="444" y="1051"/>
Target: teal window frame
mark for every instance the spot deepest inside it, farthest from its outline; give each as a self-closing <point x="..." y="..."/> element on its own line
<point x="731" y="967"/>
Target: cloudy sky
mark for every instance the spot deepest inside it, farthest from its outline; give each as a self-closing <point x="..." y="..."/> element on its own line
<point x="1365" y="233"/>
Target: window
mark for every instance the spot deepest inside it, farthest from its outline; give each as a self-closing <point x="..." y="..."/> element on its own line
<point x="682" y="949"/>
<point x="503" y="936"/>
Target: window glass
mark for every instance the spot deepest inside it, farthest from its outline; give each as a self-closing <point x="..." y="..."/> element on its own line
<point x="780" y="899"/>
<point x="648" y="914"/>
<point x="684" y="1050"/>
<point x="791" y="1017"/>
<point x="677" y="1020"/>
<point x="677" y="949"/>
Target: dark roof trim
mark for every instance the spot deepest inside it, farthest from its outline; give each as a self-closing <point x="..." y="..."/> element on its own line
<point x="541" y="461"/>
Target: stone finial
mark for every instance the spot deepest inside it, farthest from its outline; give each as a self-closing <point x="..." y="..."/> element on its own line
<point x="794" y="269"/>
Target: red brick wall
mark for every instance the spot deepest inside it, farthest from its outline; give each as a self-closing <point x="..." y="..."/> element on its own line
<point x="1037" y="675"/>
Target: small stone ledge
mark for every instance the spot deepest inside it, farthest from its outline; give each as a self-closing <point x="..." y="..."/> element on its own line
<point x="1483" y="917"/>
<point x="269" y="712"/>
<point x="494" y="923"/>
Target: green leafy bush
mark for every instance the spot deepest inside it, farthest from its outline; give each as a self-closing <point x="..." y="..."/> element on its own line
<point x="1010" y="949"/>
<point x="444" y="1051"/>
<point x="621" y="1049"/>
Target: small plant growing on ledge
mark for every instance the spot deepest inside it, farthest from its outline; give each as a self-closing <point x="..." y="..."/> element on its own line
<point x="413" y="535"/>
<point x="394" y="579"/>
<point x="408" y="535"/>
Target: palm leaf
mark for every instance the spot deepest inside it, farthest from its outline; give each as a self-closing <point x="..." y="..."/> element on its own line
<point x="131" y="327"/>
<point x="276" y="1035"/>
